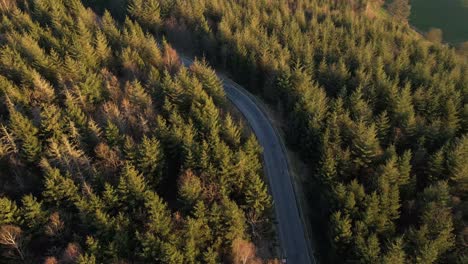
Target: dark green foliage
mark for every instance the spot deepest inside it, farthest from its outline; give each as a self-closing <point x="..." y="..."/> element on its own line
<point x="150" y="159"/>
<point x="98" y="121"/>
<point x="377" y="112"/>
<point x="256" y="195"/>
<point x="26" y="133"/>
<point x="58" y="189"/>
<point x="9" y="213"/>
<point x="32" y="212"/>
<point x="113" y="134"/>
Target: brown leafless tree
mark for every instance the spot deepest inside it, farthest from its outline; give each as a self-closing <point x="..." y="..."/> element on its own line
<point x="11" y="237"/>
<point x="244" y="252"/>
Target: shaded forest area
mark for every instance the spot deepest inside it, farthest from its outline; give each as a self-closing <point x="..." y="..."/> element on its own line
<point x="112" y="152"/>
<point x="378" y="113"/>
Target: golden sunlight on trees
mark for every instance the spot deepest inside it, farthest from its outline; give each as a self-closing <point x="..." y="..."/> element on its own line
<point x="111" y="150"/>
<point x="378" y="110"/>
<point x="101" y="124"/>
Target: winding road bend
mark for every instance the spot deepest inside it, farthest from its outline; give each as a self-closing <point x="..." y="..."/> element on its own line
<point x="291" y="231"/>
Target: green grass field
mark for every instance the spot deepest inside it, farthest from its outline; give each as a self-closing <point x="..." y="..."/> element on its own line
<point x="449" y="15"/>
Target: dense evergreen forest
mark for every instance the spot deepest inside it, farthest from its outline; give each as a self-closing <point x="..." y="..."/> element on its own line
<point x="112" y="152"/>
<point x="378" y="113"/>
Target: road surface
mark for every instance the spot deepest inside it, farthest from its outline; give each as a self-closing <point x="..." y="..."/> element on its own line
<point x="291" y="231"/>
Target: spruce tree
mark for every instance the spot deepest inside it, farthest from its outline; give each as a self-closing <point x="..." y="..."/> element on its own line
<point x="59" y="190"/>
<point x="365" y="144"/>
<point x="26" y="133"/>
<point x="132" y="187"/>
<point x="150" y="160"/>
<point x="32" y="212"/>
<point x="395" y="253"/>
<point x="256" y="195"/>
<point x="9" y="213"/>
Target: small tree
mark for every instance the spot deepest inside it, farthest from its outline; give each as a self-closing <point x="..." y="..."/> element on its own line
<point x="9" y="212"/>
<point x="243" y="252"/>
<point x="435" y="35"/>
<point x="401" y="9"/>
<point x="189" y="187"/>
<point x="71" y="253"/>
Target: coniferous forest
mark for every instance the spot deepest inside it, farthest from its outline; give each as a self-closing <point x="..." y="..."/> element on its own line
<point x="112" y="152"/>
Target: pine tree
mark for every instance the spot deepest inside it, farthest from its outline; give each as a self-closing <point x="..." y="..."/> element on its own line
<point x="103" y="51"/>
<point x="113" y="134"/>
<point x="370" y="251"/>
<point x="59" y="190"/>
<point x="452" y="121"/>
<point x="373" y="215"/>
<point x="231" y="132"/>
<point x="194" y="235"/>
<point x="341" y="228"/>
<point x="51" y="125"/>
<point x="132" y="187"/>
<point x="256" y="195"/>
<point x="210" y="256"/>
<point x="9" y="213"/>
<point x="328" y="170"/>
<point x="129" y="150"/>
<point x="360" y="110"/>
<point x="86" y="259"/>
<point x="32" y="212"/>
<point x="383" y="127"/>
<point x="109" y="27"/>
<point x="395" y="253"/>
<point x="458" y="167"/>
<point x="150" y="160"/>
<point x="26" y="132"/>
<point x="437" y="166"/>
<point x="170" y="254"/>
<point x="74" y="111"/>
<point x="404" y="167"/>
<point x="233" y="221"/>
<point x="110" y="196"/>
<point x="211" y="83"/>
<point x="146" y="12"/>
<point x="365" y="144"/>
<point x="92" y="88"/>
<point x="404" y="111"/>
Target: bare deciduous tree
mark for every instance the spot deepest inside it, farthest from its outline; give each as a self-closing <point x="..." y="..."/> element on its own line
<point x="71" y="253"/>
<point x="10" y="236"/>
<point x="51" y="260"/>
<point x="55" y="225"/>
<point x="7" y="4"/>
<point x="244" y="252"/>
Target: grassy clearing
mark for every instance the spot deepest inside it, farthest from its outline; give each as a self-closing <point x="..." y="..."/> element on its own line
<point x="449" y="15"/>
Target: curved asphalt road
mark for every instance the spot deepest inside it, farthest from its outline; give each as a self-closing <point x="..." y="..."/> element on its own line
<point x="291" y="230"/>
